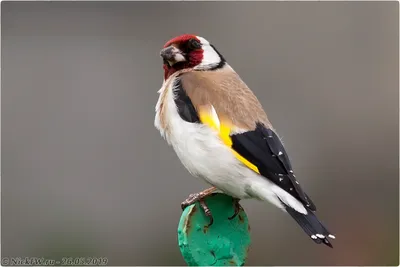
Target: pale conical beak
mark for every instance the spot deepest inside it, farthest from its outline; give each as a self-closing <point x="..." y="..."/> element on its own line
<point x="172" y="55"/>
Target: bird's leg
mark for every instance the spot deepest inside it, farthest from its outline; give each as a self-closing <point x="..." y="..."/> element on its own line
<point x="200" y="197"/>
<point x="237" y="208"/>
<point x="197" y="196"/>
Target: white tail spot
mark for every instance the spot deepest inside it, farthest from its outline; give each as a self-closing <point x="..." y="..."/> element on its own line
<point x="320" y="236"/>
<point x="280" y="153"/>
<point x="332" y="236"/>
<point x="313" y="237"/>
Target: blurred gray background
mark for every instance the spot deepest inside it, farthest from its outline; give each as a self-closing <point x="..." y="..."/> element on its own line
<point x="85" y="173"/>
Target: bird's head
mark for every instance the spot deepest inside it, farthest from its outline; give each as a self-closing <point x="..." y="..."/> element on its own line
<point x="189" y="52"/>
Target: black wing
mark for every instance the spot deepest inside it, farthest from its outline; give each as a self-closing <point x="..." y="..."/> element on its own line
<point x="264" y="149"/>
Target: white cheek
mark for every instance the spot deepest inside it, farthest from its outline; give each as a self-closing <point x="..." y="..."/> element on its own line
<point x="210" y="57"/>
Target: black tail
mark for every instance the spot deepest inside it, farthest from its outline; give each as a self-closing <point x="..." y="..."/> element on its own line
<point x="312" y="226"/>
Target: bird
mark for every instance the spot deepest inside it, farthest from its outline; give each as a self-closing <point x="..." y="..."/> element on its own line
<point x="221" y="134"/>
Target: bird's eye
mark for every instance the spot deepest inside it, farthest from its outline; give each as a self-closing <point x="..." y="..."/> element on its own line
<point x="194" y="44"/>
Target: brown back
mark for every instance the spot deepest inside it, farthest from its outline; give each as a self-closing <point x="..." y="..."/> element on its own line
<point x="233" y="101"/>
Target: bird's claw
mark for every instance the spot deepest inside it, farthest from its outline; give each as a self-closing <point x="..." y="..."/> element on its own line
<point x="237" y="208"/>
<point x="207" y="212"/>
<point x="193" y="198"/>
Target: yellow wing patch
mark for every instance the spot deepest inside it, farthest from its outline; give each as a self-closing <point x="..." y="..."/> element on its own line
<point x="210" y="118"/>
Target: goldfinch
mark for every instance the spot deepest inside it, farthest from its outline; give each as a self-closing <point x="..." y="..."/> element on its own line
<point x="221" y="134"/>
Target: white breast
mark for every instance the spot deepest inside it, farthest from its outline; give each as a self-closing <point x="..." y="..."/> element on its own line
<point x="200" y="149"/>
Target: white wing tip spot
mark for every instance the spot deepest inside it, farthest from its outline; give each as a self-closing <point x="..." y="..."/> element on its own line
<point x="332" y="236"/>
<point x="291" y="171"/>
<point x="297" y="182"/>
<point x="280" y="179"/>
<point x="280" y="153"/>
<point x="280" y="174"/>
<point x="291" y="189"/>
<point x="320" y="236"/>
<point x="313" y="237"/>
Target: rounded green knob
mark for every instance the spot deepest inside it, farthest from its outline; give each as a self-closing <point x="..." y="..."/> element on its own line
<point x="224" y="243"/>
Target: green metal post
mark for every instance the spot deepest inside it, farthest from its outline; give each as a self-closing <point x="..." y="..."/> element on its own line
<point x="225" y="243"/>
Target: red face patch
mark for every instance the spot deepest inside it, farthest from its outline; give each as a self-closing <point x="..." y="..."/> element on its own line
<point x="194" y="57"/>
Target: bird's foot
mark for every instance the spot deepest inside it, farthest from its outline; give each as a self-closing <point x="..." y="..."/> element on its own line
<point x="237" y="208"/>
<point x="193" y="198"/>
<point x="199" y="197"/>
